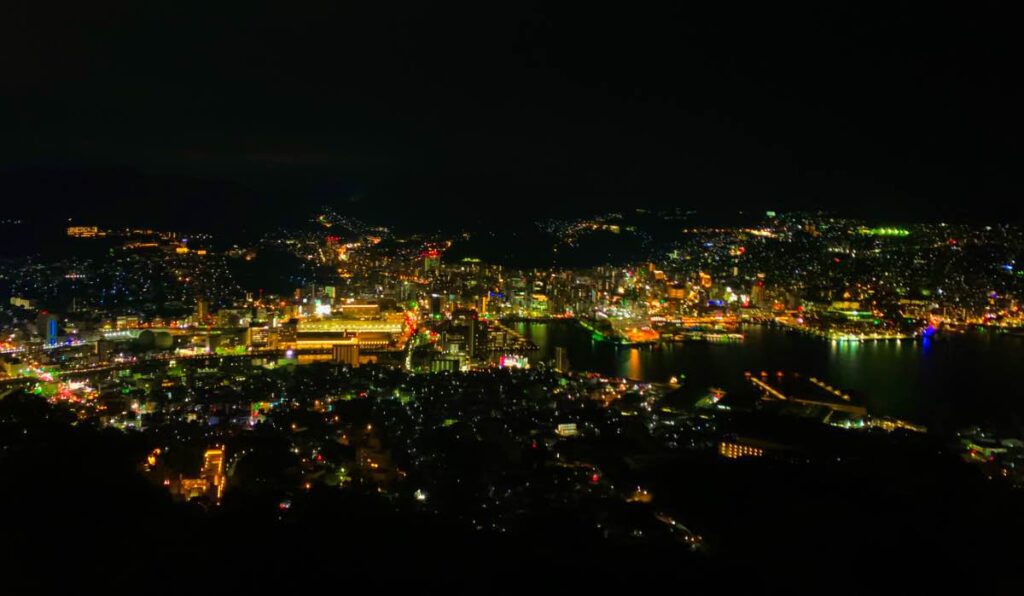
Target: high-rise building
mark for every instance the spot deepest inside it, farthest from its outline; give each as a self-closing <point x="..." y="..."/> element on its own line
<point x="757" y="292"/>
<point x="464" y="323"/>
<point x="561" y="359"/>
<point x="431" y="261"/>
<point x="103" y="348"/>
<point x="46" y="324"/>
<point x="202" y="309"/>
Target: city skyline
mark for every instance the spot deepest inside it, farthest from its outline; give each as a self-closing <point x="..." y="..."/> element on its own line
<point x="510" y="297"/>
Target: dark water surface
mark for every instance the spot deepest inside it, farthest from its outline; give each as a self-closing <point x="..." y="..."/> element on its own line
<point x="946" y="382"/>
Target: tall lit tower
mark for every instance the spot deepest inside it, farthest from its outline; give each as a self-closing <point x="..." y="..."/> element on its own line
<point x="202" y="309"/>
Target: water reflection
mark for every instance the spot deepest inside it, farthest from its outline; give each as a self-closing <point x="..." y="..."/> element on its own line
<point x="634" y="367"/>
<point x="942" y="381"/>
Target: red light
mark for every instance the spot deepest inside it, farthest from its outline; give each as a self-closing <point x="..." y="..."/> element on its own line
<point x="595" y="478"/>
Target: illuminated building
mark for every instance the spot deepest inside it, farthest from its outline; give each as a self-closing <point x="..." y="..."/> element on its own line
<point x="210" y="483"/>
<point x="194" y="488"/>
<point x="202" y="309"/>
<point x="538" y="304"/>
<point x="677" y="292"/>
<point x="361" y="310"/>
<point x="258" y="335"/>
<point x="26" y="303"/>
<point x="431" y="261"/>
<point x="347" y="353"/>
<point x="737" y="450"/>
<point x="445" y="365"/>
<point x="84" y="232"/>
<point x="127" y="322"/>
<point x="464" y="326"/>
<point x="561" y="359"/>
<point x="339" y="325"/>
<point x="369" y="334"/>
<point x="47" y="327"/>
<point x="757" y="292"/>
<point x="213" y="470"/>
<point x="513" y="361"/>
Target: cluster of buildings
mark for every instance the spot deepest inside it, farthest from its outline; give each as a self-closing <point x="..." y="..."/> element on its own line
<point x="389" y="363"/>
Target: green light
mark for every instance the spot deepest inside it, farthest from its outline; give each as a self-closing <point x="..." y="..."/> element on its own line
<point x="895" y="232"/>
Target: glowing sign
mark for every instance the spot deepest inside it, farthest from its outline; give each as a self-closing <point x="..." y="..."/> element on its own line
<point x="512" y="361"/>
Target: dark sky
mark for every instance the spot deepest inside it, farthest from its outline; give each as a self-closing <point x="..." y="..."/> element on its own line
<point x="163" y="108"/>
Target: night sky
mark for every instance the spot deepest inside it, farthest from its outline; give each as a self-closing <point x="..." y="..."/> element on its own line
<point x="430" y="113"/>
